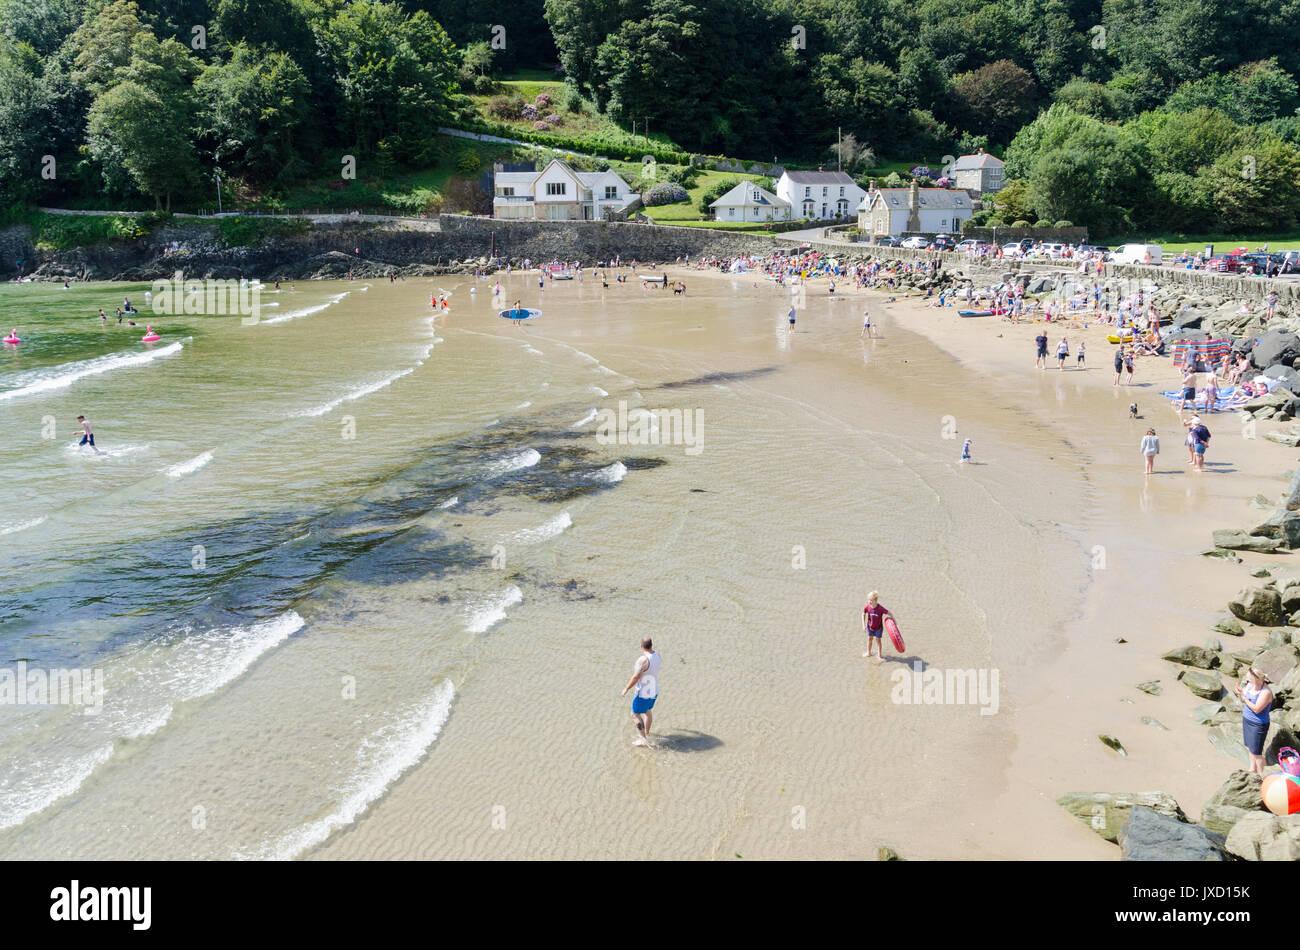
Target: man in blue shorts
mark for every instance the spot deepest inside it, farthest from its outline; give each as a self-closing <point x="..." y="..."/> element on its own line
<point x="645" y="677"/>
<point x="1041" y="340"/>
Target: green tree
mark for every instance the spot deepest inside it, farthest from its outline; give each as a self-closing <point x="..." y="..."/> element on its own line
<point x="995" y="99"/>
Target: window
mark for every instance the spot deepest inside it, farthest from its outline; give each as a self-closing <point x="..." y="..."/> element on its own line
<point x="880" y="225"/>
<point x="507" y="192"/>
<point x="807" y="192"/>
<point x="823" y="192"/>
<point x="731" y="212"/>
<point x="841" y="191"/>
<point x="611" y="192"/>
<point x="757" y="196"/>
<point x="995" y="173"/>
<point x="557" y="188"/>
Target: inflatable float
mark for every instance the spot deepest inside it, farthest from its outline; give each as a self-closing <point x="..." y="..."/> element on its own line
<point x="523" y="313"/>
<point x="895" y="637"/>
<point x="1118" y="339"/>
<point x="12" y="339"/>
<point x="150" y="338"/>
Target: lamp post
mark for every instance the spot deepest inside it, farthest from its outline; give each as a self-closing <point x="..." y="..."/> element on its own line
<point x="217" y="176"/>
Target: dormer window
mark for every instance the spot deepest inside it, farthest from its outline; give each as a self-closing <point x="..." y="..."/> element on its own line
<point x="757" y="196"/>
<point x="807" y="192"/>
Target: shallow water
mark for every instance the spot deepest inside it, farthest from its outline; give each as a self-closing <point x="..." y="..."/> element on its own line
<point x="353" y="568"/>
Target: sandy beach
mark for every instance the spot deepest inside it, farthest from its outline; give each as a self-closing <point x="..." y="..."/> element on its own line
<point x="432" y="521"/>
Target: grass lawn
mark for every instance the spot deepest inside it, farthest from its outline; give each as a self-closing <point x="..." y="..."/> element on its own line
<point x="1176" y="243"/>
<point x="688" y="212"/>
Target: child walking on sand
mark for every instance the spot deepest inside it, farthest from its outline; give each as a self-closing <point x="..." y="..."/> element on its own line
<point x="1150" y="449"/>
<point x="873" y="624"/>
<point x="965" y="451"/>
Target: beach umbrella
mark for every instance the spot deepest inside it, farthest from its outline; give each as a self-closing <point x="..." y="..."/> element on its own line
<point x="1281" y="794"/>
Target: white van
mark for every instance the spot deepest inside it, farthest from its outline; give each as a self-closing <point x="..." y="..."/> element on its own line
<point x="1137" y="254"/>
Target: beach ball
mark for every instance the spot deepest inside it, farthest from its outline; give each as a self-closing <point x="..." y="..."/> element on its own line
<point x="1281" y="794"/>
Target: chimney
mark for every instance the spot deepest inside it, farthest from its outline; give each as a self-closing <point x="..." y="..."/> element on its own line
<point x="871" y="186"/>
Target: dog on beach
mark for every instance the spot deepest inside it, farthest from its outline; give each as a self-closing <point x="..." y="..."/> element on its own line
<point x="1133" y="411"/>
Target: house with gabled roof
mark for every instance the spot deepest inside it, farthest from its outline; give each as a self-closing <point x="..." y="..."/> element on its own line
<point x="748" y="202"/>
<point x="559" y="193"/>
<point x="820" y="195"/>
<point x="979" y="173"/>
<point x="913" y="210"/>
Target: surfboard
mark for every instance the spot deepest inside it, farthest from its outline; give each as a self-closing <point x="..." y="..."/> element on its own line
<point x="521" y="314"/>
<point x="895" y="637"/>
<point x="974" y="313"/>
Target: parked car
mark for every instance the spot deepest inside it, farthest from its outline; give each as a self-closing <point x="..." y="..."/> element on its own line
<point x="1054" y="251"/>
<point x="1259" y="262"/>
<point x="1224" y="263"/>
<point x="1287" y="261"/>
<point x="944" y="242"/>
<point x="1025" y="244"/>
<point x="916" y="243"/>
<point x="970" y="244"/>
<point x="1013" y="250"/>
<point x="888" y="241"/>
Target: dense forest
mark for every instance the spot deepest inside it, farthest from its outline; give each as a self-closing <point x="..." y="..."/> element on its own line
<point x="1118" y="114"/>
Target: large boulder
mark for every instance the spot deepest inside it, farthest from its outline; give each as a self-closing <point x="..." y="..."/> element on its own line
<point x="1258" y="605"/>
<point x="1237" y="540"/>
<point x="1264" y="836"/>
<point x="1240" y="789"/>
<point x="1277" y="662"/>
<point x="1282" y="526"/>
<point x="1193" y="656"/>
<point x="1221" y="818"/>
<point x="1188" y="319"/>
<point x="1205" y="685"/>
<point x="1283" y="371"/>
<point x="1292" y="502"/>
<point x="1275" y="346"/>
<point x="1107" y="812"/>
<point x="1291" y="598"/>
<point x="1276" y="399"/>
<point x="1151" y="836"/>
<point x="1226" y="737"/>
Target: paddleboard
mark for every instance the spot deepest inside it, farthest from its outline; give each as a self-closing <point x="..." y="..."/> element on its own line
<point x="895" y="637"/>
<point x="974" y="313"/>
<point x="521" y="314"/>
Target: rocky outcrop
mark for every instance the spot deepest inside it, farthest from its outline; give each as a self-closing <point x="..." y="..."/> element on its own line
<point x="1151" y="836"/>
<point x="1258" y="605"/>
<point x="1263" y="836"/>
<point x="1107" y="812"/>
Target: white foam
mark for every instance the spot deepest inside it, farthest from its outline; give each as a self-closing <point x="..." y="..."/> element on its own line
<point x="533" y="350"/>
<point x="598" y="391"/>
<point x="550" y="529"/>
<point x="489" y="612"/>
<point x="451" y="502"/>
<point x="356" y="394"/>
<point x="610" y="474"/>
<point x="307" y="311"/>
<point x="524" y="405"/>
<point x="590" y="416"/>
<point x="23" y="795"/>
<point x="66" y="375"/>
<point x="182" y="469"/>
<point x="21" y="525"/>
<point x="525" y="459"/>
<point x="383" y="759"/>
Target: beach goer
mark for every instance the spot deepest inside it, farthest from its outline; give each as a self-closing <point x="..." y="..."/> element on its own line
<point x="1079" y="358"/>
<point x="1062" y="351"/>
<point x="1200" y="442"/>
<point x="645" y="677"/>
<point x="87" y="436"/>
<point x="791" y="316"/>
<point x="866" y="324"/>
<point x="1150" y="449"/>
<point x="1041" y="360"/>
<point x="1256" y="701"/>
<point x="1189" y="385"/>
<point x="1128" y="366"/>
<point x="965" y="451"/>
<point x="1119" y="363"/>
<point x="873" y="624"/>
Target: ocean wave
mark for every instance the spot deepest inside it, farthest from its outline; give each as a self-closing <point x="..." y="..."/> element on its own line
<point x="550" y="529"/>
<point x="41" y="381"/>
<point x="15" y="527"/>
<point x="356" y="394"/>
<point x="182" y="469"/>
<point x="487" y="613"/>
<point x="598" y="391"/>
<point x="589" y="417"/>
<point x="525" y="459"/>
<point x="451" y="502"/>
<point x="383" y="759"/>
<point x="307" y="311"/>
<point x="610" y="474"/>
<point x="23" y="795"/>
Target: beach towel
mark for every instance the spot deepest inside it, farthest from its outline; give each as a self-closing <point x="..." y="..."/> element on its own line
<point x="1224" y="400"/>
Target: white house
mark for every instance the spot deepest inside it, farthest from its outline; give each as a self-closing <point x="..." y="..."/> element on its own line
<point x="915" y="210"/>
<point x="748" y="202"/>
<point x="820" y="195"/>
<point x="979" y="173"/>
<point x="558" y="193"/>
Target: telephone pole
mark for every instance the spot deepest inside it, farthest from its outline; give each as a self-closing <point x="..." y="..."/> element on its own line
<point x="839" y="145"/>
